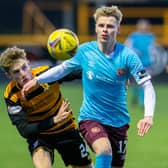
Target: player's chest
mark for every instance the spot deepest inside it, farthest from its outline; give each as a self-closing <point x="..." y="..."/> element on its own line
<point x="105" y="70"/>
<point x="45" y="98"/>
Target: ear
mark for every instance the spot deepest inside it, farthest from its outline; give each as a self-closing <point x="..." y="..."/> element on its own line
<point x="95" y="28"/>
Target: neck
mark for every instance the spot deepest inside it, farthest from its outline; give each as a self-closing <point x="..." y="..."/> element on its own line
<point x="107" y="48"/>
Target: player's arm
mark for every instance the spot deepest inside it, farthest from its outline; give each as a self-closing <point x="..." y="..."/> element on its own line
<point x="28" y="129"/>
<point x="149" y="98"/>
<point x="72" y="76"/>
<point x="149" y="108"/>
<point x="53" y="74"/>
<point x="50" y="75"/>
<point x="143" y="79"/>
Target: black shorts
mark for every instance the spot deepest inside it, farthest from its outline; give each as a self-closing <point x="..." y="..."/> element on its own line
<point x="92" y="130"/>
<point x="69" y="144"/>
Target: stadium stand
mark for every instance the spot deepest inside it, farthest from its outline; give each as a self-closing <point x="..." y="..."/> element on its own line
<point x="40" y="17"/>
<point x="31" y="21"/>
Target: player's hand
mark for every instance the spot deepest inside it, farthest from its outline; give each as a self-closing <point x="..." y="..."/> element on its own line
<point x="63" y="113"/>
<point x="144" y="125"/>
<point x="30" y="84"/>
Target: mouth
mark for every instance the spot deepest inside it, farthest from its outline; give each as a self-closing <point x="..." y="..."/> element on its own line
<point x="104" y="37"/>
<point x="25" y="80"/>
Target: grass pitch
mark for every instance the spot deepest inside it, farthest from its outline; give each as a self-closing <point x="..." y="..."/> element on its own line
<point x="147" y="152"/>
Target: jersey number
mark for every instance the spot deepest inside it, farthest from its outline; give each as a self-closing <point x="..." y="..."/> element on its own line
<point x="84" y="151"/>
<point x="122" y="146"/>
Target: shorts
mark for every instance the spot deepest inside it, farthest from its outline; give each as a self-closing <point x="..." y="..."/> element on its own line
<point x="92" y="130"/>
<point x="69" y="144"/>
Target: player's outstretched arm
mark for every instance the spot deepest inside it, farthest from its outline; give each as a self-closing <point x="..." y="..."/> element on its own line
<point x="51" y="75"/>
<point x="146" y="123"/>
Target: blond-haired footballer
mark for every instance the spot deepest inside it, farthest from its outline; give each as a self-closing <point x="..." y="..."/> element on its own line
<point x="44" y="118"/>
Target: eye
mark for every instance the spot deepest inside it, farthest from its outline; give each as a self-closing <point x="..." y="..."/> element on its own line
<point x="24" y="67"/>
<point x="100" y="25"/>
<point x="15" y="71"/>
<point x="111" y="26"/>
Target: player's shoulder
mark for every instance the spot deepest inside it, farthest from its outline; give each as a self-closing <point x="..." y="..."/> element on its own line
<point x="11" y="88"/>
<point x="126" y="49"/>
<point x="125" y="52"/>
<point x="122" y="47"/>
<point x="88" y="44"/>
<point x="40" y="69"/>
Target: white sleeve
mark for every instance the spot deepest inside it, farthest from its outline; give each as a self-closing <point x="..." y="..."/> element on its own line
<point x="149" y="98"/>
<point x="53" y="74"/>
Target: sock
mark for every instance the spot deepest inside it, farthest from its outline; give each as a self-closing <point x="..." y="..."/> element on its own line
<point x="103" y="161"/>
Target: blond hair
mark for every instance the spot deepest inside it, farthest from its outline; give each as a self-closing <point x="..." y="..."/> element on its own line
<point x="10" y="56"/>
<point x="108" y="11"/>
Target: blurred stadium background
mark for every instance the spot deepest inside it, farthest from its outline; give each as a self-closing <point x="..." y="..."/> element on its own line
<point x="27" y="24"/>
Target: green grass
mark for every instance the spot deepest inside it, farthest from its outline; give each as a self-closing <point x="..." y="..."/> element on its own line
<point x="147" y="152"/>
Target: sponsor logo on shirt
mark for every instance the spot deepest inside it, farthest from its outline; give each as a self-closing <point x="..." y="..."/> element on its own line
<point x="14" y="109"/>
<point x="90" y="75"/>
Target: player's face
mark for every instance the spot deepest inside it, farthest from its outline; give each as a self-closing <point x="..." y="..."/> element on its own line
<point x="107" y="29"/>
<point x="20" y="72"/>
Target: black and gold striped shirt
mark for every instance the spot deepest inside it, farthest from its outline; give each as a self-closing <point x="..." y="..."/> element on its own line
<point x="34" y="116"/>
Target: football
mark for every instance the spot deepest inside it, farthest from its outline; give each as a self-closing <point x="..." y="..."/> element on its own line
<point x="62" y="44"/>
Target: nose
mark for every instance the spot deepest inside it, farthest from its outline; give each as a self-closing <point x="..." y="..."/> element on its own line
<point x="21" y="72"/>
<point x="105" y="29"/>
